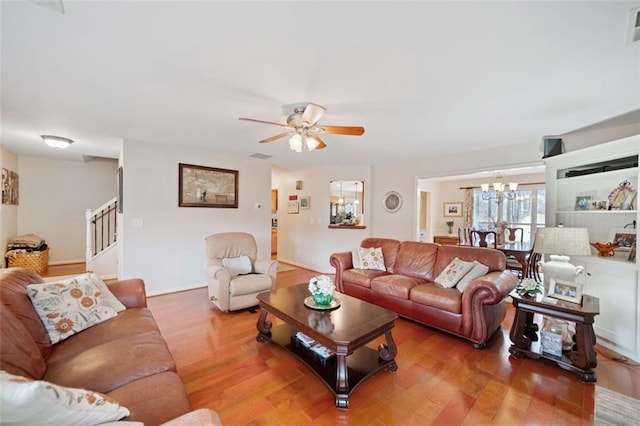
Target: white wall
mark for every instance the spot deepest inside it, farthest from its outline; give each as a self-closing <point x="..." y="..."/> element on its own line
<point x="8" y="212"/>
<point x="54" y="195"/>
<point x="305" y="239"/>
<point x="167" y="251"/>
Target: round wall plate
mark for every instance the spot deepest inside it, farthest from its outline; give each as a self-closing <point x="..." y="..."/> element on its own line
<point x="392" y="201"/>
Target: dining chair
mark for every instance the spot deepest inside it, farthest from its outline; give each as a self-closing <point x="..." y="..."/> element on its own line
<point x="513" y="234"/>
<point x="464" y="236"/>
<point x="482" y="238"/>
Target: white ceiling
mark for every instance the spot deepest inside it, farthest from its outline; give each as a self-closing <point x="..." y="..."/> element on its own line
<point x="423" y="78"/>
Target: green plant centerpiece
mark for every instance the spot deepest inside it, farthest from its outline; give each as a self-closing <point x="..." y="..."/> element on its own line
<point x="529" y="288"/>
<point x="321" y="288"/>
<point x="450" y="225"/>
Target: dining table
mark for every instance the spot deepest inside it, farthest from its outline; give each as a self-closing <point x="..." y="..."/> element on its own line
<point x="520" y="250"/>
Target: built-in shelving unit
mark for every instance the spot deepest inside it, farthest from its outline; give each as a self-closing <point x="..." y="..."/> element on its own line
<point x="595" y="172"/>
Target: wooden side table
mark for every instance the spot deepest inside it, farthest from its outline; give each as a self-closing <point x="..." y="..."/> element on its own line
<point x="525" y="337"/>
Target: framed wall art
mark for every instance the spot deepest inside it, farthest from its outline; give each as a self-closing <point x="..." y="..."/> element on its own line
<point x="452" y="209"/>
<point x="200" y="186"/>
<point x="119" y="177"/>
<point x="305" y="202"/>
<point x="10" y="188"/>
<point x="293" y="207"/>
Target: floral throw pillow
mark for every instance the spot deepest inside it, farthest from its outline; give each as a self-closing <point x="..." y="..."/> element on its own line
<point x="36" y="402"/>
<point x="70" y="306"/>
<point x="453" y="273"/>
<point x="371" y="258"/>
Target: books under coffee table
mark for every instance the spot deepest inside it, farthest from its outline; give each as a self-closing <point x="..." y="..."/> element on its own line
<point x="331" y="343"/>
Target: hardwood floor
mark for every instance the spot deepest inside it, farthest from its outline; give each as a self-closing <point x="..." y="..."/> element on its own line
<point x="440" y="379"/>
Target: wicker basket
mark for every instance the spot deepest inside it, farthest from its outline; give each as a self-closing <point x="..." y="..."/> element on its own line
<point x="35" y="260"/>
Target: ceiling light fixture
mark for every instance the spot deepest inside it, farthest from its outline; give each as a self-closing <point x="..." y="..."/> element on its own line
<point x="57" y="142"/>
<point x="499" y="190"/>
<point x="296" y="141"/>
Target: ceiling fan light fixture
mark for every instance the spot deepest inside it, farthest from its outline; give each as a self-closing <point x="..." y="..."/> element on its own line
<point x="295" y="143"/>
<point x="311" y="143"/>
<point x="57" y="142"/>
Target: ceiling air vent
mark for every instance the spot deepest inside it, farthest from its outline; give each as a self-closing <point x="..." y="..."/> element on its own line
<point x="634" y="25"/>
<point x="260" y="156"/>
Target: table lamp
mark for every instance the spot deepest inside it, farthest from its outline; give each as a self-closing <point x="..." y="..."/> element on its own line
<point x="560" y="243"/>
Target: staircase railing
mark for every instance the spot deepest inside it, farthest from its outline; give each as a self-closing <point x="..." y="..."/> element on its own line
<point x="101" y="229"/>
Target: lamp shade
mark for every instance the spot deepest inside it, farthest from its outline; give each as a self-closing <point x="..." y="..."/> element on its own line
<point x="562" y="241"/>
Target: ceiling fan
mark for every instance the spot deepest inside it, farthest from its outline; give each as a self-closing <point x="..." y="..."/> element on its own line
<point x="304" y="127"/>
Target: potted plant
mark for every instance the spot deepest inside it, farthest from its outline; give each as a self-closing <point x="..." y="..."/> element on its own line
<point x="450" y="225"/>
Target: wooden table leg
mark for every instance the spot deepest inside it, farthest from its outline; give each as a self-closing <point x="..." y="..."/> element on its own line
<point x="264" y="327"/>
<point x="521" y="322"/>
<point x="388" y="351"/>
<point x="342" y="379"/>
<point x="585" y="355"/>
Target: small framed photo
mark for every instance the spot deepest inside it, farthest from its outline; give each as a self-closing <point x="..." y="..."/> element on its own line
<point x="583" y="202"/>
<point x="600" y="205"/>
<point x="305" y="202"/>
<point x="452" y="209"/>
<point x="293" y="207"/>
<point x="566" y="290"/>
<point x="624" y="238"/>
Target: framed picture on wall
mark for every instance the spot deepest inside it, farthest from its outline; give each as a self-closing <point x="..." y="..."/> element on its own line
<point x="200" y="186"/>
<point x="452" y="209"/>
<point x="305" y="202"/>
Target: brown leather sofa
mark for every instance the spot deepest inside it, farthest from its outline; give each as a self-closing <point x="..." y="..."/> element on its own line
<point x="124" y="357"/>
<point x="408" y="288"/>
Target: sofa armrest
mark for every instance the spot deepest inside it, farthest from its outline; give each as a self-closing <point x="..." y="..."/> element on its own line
<point x="266" y="266"/>
<point x="490" y="289"/>
<point x="341" y="262"/>
<point x="131" y="293"/>
<point x="201" y="416"/>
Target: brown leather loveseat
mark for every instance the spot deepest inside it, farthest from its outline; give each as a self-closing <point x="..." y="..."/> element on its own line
<point x="124" y="358"/>
<point x="407" y="286"/>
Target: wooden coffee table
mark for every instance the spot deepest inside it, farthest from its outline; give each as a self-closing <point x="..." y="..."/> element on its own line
<point x="344" y="330"/>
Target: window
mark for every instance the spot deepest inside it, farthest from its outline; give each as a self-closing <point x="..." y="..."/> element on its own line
<point x="525" y="211"/>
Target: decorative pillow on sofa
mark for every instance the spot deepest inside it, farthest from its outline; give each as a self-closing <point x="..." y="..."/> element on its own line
<point x="453" y="273"/>
<point x="70" y="306"/>
<point x="237" y="265"/>
<point x="104" y="290"/>
<point x="371" y="258"/>
<point x="355" y="258"/>
<point x="36" y="402"/>
<point x="477" y="271"/>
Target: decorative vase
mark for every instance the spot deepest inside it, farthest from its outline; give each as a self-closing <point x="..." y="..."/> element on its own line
<point x="322" y="299"/>
<point x="321" y="288"/>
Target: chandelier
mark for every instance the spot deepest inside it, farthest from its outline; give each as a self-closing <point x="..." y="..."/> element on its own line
<point x="500" y="191"/>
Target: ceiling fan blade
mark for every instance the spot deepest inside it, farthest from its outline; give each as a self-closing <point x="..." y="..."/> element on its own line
<point x="321" y="143"/>
<point x="264" y="122"/>
<point x="276" y="137"/>
<point x="312" y="113"/>
<point x="342" y="130"/>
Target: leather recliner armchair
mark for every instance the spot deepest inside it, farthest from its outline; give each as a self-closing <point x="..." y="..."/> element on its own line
<point x="235" y="275"/>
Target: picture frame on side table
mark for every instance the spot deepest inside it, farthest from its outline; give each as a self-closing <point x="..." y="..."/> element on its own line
<point x="452" y="210"/>
<point x="200" y="186"/>
<point x="625" y="238"/>
<point x="570" y="291"/>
